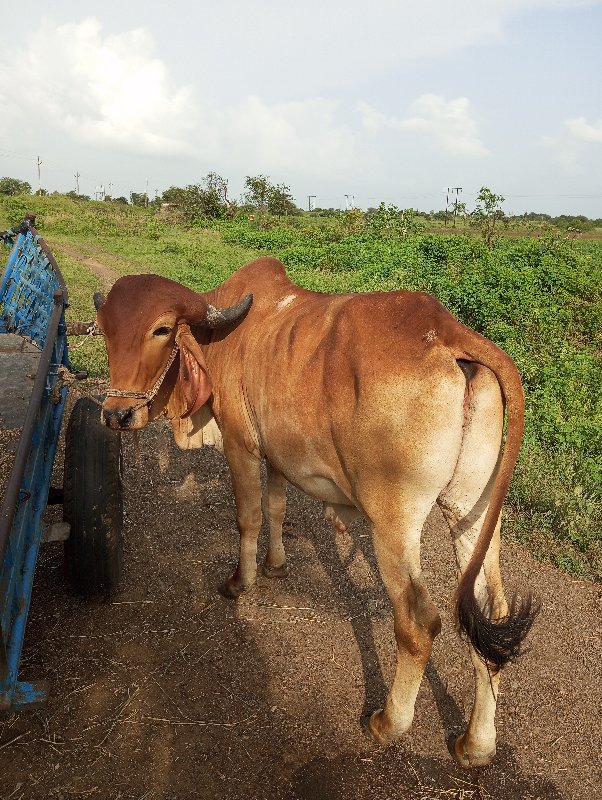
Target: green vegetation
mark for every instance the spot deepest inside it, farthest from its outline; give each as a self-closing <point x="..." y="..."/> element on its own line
<point x="12" y="186"/>
<point x="261" y="195"/>
<point x="487" y="213"/>
<point x="538" y="297"/>
<point x="205" y="200"/>
<point x="89" y="354"/>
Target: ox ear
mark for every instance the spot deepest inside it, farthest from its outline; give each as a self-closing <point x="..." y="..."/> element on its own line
<point x="194" y="382"/>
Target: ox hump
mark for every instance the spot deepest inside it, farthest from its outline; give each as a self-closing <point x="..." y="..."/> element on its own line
<point x="285" y="301"/>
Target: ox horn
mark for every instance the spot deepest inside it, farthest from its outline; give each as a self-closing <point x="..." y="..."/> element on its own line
<point x="99" y="299"/>
<point x="219" y="317"/>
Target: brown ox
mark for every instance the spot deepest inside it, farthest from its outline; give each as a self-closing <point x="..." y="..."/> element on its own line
<point x="378" y="404"/>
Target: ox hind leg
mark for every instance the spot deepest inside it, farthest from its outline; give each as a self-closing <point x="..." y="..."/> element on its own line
<point x="464" y="503"/>
<point x="397" y="493"/>
<point x="416" y="619"/>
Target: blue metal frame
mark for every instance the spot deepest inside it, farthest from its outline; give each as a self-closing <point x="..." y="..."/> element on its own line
<point x="27" y="290"/>
<point x="32" y="304"/>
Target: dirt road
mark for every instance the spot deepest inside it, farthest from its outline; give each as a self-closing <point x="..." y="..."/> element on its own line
<point x="170" y="691"/>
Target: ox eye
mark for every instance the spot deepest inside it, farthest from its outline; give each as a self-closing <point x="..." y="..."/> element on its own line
<point x="162" y="331"/>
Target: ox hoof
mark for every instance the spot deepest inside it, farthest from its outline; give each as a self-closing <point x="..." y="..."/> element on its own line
<point x="232" y="590"/>
<point x="376" y="731"/>
<point x="469" y="759"/>
<point x="382" y="731"/>
<point x="275" y="572"/>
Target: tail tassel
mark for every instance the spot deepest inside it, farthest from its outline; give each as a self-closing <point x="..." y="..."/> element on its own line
<point x="497" y="641"/>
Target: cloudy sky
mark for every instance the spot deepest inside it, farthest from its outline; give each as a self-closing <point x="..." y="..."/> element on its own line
<point x="387" y="100"/>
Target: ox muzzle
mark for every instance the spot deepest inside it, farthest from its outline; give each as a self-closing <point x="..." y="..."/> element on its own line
<point x="119" y="419"/>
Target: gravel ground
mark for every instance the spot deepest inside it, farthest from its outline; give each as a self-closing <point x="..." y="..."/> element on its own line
<point x="170" y="691"/>
<point x="9" y="439"/>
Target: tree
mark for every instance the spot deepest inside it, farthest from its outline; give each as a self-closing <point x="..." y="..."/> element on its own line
<point x="139" y="199"/>
<point x="205" y="200"/>
<point x="173" y="195"/>
<point x="214" y="184"/>
<point x="280" y="201"/>
<point x="12" y="186"/>
<point x="264" y="196"/>
<point x="258" y="192"/>
<point x="325" y="212"/>
<point x="458" y="209"/>
<point x="388" y="220"/>
<point x="73" y="195"/>
<point x="487" y="213"/>
<point x="213" y="196"/>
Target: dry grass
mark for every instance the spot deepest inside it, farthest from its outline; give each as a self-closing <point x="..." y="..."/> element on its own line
<point x="459" y="790"/>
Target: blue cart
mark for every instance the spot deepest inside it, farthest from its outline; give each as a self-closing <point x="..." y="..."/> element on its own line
<point x="34" y="363"/>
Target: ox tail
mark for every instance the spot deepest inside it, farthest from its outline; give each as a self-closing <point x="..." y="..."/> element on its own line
<point x="497" y="641"/>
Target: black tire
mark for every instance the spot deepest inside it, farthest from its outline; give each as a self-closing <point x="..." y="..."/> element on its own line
<point x="93" y="501"/>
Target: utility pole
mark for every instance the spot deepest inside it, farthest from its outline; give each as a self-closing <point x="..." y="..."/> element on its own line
<point x="310" y="197"/>
<point x="457" y="190"/>
<point x="39" y="176"/>
<point x="77" y="176"/>
<point x="452" y="189"/>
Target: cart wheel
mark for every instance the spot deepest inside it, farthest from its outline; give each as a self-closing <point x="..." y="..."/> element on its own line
<point x="93" y="501"/>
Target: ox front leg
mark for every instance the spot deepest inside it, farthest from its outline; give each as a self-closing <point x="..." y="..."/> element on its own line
<point x="416" y="621"/>
<point x="274" y="508"/>
<point x="246" y="484"/>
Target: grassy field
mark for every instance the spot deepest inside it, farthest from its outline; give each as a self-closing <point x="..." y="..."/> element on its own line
<point x="538" y="297"/>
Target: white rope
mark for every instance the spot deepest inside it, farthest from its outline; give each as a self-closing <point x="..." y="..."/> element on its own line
<point x="93" y="330"/>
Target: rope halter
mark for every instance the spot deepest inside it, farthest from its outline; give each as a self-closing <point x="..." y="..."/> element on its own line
<point x="146" y="397"/>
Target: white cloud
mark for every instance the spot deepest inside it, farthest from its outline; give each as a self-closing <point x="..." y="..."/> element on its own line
<point x="311" y="47"/>
<point x="583" y="131"/>
<point x="100" y="89"/>
<point x="111" y="91"/>
<point x="572" y="143"/>
<point x="373" y="120"/>
<point x="302" y="136"/>
<point x="448" y="123"/>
